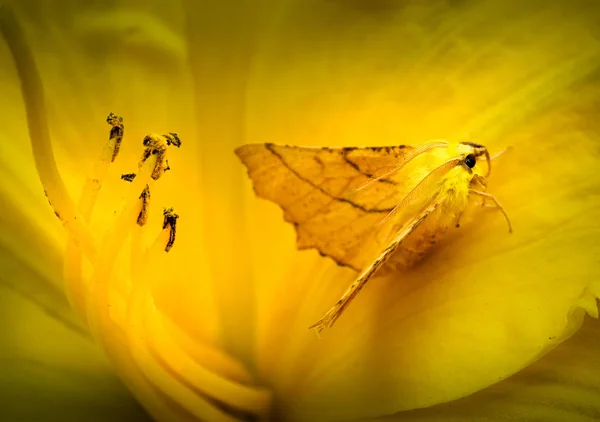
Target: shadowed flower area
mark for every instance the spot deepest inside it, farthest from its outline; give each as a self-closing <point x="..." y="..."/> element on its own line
<point x="490" y="325"/>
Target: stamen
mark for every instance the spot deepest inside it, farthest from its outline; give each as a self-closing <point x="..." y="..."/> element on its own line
<point x="204" y="354"/>
<point x="131" y="210"/>
<point x="157" y="145"/>
<point x="137" y="250"/>
<point x="72" y="269"/>
<point x="34" y="99"/>
<point x="98" y="313"/>
<point x="198" y="390"/>
<point x="105" y="330"/>
<point x="73" y="222"/>
<point x="237" y="396"/>
<point x="144" y="360"/>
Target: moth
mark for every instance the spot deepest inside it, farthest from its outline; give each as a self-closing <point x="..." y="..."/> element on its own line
<point x="372" y="207"/>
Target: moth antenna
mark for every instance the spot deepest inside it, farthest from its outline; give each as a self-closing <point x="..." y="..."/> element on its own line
<point x="493" y="157"/>
<point x="498" y="154"/>
<point x="397" y="164"/>
<point x="489" y="162"/>
<point x="370" y="182"/>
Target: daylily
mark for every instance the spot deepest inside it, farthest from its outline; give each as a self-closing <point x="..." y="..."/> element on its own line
<point x="216" y="329"/>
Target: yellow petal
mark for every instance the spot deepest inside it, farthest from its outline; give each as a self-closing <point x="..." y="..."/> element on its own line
<point x="564" y="385"/>
<point x="50" y="360"/>
<point x="485" y="304"/>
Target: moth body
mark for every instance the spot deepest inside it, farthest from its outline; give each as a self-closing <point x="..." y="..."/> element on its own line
<point x="453" y="202"/>
<point x="451" y="191"/>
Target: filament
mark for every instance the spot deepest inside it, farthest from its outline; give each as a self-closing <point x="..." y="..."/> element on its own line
<point x="141" y="335"/>
<point x="34" y="100"/>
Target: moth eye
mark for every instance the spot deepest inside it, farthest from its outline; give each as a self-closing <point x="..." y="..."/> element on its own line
<point x="470" y="161"/>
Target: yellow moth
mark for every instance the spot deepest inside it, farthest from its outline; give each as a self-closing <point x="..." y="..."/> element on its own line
<point x="366" y="207"/>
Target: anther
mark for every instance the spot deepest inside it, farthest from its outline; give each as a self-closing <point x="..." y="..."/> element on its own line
<point x="173" y="139"/>
<point x="170" y="221"/>
<point x="145" y="198"/>
<point x="128" y="177"/>
<point x="116" y="133"/>
<point x="157" y="145"/>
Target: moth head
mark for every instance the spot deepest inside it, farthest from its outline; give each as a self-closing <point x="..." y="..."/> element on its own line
<point x="472" y="154"/>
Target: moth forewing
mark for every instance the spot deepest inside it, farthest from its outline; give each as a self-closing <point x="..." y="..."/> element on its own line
<point x="380" y="173"/>
<point x="433" y="188"/>
<point x="317" y="189"/>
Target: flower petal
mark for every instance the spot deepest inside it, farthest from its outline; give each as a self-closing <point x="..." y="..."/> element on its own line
<point x="49" y="359"/>
<point x="485" y="304"/>
<point x="564" y="385"/>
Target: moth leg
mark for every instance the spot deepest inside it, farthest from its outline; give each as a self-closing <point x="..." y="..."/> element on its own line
<point x="336" y="310"/>
<point x="497" y="205"/>
<point x="482" y="182"/>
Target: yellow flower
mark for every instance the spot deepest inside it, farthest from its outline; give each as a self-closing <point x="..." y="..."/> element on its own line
<point x="216" y="329"/>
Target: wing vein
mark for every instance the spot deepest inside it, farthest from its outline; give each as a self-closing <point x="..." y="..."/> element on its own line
<point x="323" y="191"/>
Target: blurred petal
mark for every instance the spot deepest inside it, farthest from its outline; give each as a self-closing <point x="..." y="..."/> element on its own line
<point x="564" y="385"/>
<point x="50" y="365"/>
<point x="485" y="304"/>
<point x="223" y="41"/>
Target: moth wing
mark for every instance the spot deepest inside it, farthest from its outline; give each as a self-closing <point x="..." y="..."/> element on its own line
<point x="426" y="192"/>
<point x="335" y="197"/>
<point x="335" y="311"/>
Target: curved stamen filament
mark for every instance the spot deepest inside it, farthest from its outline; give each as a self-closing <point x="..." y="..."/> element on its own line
<point x="207" y="355"/>
<point x="243" y="398"/>
<point x="98" y="312"/>
<point x="72" y="269"/>
<point x="33" y="96"/>
<point x="147" y="363"/>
